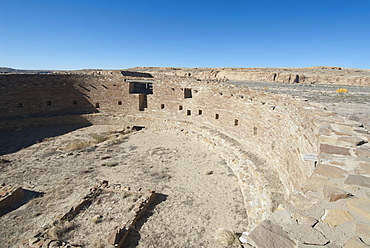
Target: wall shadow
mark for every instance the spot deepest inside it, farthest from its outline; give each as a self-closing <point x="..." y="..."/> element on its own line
<point x="24" y="196"/>
<point x="13" y="141"/>
<point x="134" y="236"/>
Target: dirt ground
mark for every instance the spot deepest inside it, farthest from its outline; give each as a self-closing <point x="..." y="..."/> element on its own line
<point x="198" y="193"/>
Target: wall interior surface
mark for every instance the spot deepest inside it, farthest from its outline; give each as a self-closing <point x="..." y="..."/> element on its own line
<point x="263" y="137"/>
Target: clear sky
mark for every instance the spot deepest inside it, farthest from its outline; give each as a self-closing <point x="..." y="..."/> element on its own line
<point x="109" y="34"/>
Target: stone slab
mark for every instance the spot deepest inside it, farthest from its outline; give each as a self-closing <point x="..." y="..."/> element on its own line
<point x="335" y="217"/>
<point x="363" y="152"/>
<point x="360" y="206"/>
<point x="330" y="149"/>
<point x="358" y="180"/>
<point x="333" y="194"/>
<point x="355" y="242"/>
<point x="330" y="171"/>
<point x="270" y="235"/>
<point x="364" y="231"/>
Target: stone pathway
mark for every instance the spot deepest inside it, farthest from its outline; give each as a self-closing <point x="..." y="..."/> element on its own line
<point x="333" y="207"/>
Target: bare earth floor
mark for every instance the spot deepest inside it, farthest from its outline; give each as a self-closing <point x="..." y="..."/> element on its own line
<point x="198" y="193"/>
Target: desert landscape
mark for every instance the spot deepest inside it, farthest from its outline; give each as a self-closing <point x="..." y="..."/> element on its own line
<point x="229" y="152"/>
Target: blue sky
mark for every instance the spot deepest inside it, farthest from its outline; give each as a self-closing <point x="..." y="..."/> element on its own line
<point x="79" y="34"/>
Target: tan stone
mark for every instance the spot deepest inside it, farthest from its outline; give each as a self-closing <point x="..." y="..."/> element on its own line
<point x="355" y="242"/>
<point x="364" y="232"/>
<point x="333" y="194"/>
<point x="360" y="206"/>
<point x="353" y="140"/>
<point x="330" y="171"/>
<point x="335" y="217"/>
<point x="363" y="168"/>
<point x="304" y="220"/>
<point x="358" y="180"/>
<point x="363" y="152"/>
<point x="268" y="235"/>
<point x="329" y="149"/>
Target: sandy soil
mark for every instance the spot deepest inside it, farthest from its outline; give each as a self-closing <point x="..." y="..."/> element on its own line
<point x="198" y="193"/>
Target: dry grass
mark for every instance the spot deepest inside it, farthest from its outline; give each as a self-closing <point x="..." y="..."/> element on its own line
<point x="227" y="238"/>
<point x="77" y="145"/>
<point x="58" y="231"/>
<point x="98" y="138"/>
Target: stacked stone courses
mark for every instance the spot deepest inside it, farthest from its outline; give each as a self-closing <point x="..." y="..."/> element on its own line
<point x="304" y="172"/>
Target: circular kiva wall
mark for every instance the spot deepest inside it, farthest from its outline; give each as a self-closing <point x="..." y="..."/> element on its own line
<point x="262" y="136"/>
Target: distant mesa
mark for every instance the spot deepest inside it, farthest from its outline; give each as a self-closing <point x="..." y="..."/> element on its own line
<point x="11" y="70"/>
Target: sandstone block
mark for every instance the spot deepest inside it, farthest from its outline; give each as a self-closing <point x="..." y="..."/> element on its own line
<point x="358" y="180"/>
<point x="342" y="129"/>
<point x="334" y="217"/>
<point x="363" y="168"/>
<point x="304" y="220"/>
<point x="353" y="140"/>
<point x="270" y="235"/>
<point x="364" y="232"/>
<point x="363" y="152"/>
<point x="333" y="194"/>
<point x="355" y="242"/>
<point x="330" y="149"/>
<point x="324" y="130"/>
<point x="360" y="206"/>
<point x="330" y="171"/>
<point x="307" y="235"/>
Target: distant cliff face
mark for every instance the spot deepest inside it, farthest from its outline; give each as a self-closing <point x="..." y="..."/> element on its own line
<point x="312" y="75"/>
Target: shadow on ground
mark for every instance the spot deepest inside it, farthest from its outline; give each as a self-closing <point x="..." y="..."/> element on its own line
<point x="13" y="141"/>
<point x="134" y="236"/>
<point x="25" y="197"/>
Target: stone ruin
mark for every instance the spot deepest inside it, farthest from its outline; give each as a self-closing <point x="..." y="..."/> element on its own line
<point x="290" y="158"/>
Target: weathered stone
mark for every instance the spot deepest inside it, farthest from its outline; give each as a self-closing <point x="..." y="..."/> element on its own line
<point x="304" y="220"/>
<point x="330" y="171"/>
<point x="364" y="232"/>
<point x="353" y="140"/>
<point x="334" y="217"/>
<point x="323" y="130"/>
<point x="307" y="235"/>
<point x="358" y="180"/>
<point x="360" y="206"/>
<point x="329" y="149"/>
<point x="355" y="242"/>
<point x="363" y="168"/>
<point x="282" y="218"/>
<point x="362" y="152"/>
<point x="270" y="235"/>
<point x="333" y="194"/>
<point x="342" y="129"/>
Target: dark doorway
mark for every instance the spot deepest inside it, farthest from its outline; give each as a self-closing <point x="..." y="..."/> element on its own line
<point x="143" y="102"/>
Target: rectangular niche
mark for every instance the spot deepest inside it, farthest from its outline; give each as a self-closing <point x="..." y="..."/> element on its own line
<point x="200" y="112"/>
<point x="236" y="122"/>
<point x="162" y="106"/>
<point x="187" y="93"/>
<point x="188" y="112"/>
<point x="97" y="105"/>
<point x="180" y="107"/>
<point x="217" y="116"/>
<point x="119" y="102"/>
